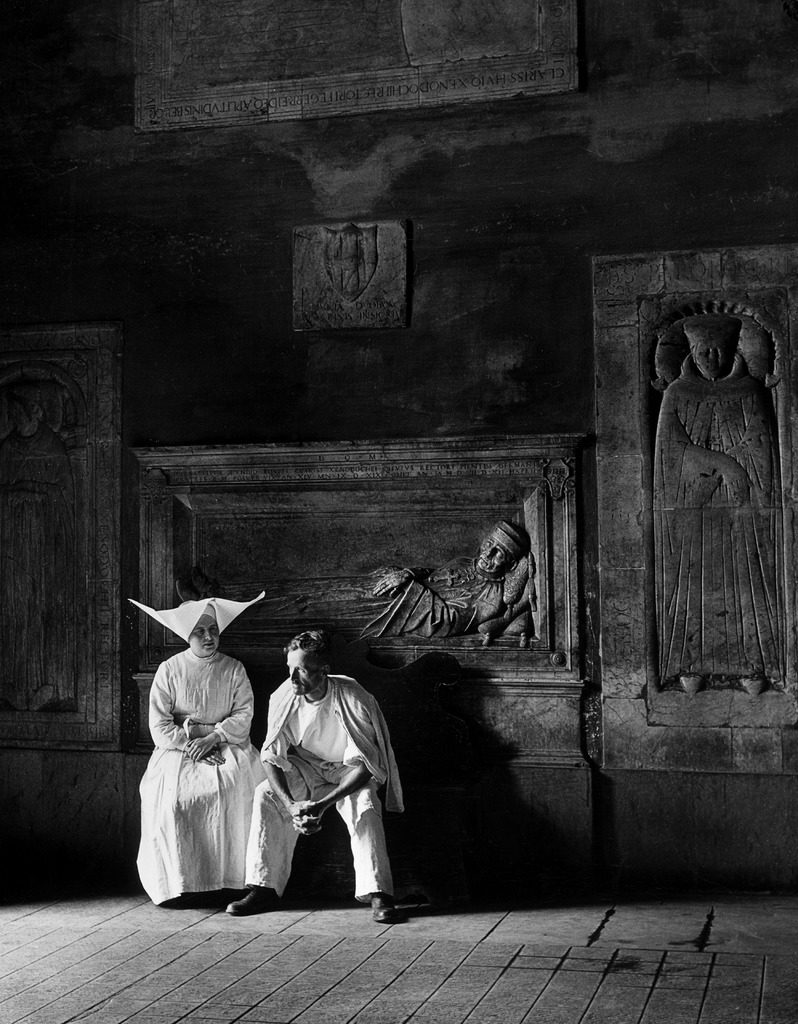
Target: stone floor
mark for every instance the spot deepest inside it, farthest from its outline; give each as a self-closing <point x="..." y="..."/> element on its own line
<point x="719" y="959"/>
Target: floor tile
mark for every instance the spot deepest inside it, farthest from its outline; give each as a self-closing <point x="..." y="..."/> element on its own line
<point x="709" y="960"/>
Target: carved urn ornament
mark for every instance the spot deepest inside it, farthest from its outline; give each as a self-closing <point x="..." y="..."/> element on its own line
<point x="691" y="683"/>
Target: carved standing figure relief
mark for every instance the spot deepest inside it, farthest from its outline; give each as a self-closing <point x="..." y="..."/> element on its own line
<point x="492" y="594"/>
<point x="37" y="551"/>
<point x="717" y="514"/>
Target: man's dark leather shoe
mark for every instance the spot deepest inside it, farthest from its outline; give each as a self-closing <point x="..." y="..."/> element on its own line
<point x="258" y="900"/>
<point x="385" y="911"/>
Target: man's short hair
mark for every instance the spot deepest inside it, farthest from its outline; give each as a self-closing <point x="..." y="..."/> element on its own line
<point x="314" y="641"/>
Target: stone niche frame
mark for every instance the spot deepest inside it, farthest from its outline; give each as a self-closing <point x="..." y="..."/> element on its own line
<point x="79" y="365"/>
<point x="205" y="65"/>
<point x="634" y="298"/>
<point x="310" y="524"/>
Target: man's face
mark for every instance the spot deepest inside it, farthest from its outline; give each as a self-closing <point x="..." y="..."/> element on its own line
<point x="493" y="560"/>
<point x="308" y="675"/>
<point x="204" y="639"/>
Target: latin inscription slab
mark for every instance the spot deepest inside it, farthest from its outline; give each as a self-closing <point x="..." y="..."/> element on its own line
<point x="222" y="63"/>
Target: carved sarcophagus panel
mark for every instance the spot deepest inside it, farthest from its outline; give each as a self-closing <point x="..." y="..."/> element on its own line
<point x="465" y="545"/>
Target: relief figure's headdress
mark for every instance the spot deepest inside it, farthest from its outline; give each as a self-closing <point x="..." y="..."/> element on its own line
<point x="512" y="537"/>
<point x="721" y="330"/>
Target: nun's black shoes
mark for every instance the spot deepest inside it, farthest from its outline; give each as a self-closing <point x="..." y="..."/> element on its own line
<point x="385" y="911"/>
<point x="258" y="900"/>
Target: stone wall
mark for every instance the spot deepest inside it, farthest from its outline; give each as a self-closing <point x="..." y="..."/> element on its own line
<point x="680" y="138"/>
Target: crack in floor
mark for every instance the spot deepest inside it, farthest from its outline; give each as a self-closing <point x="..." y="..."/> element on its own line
<point x="594" y="935"/>
<point x="702" y="941"/>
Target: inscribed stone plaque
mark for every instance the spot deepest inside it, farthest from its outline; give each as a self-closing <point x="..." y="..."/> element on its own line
<point x="222" y="63"/>
<point x="350" y="275"/>
<point x="59" y="535"/>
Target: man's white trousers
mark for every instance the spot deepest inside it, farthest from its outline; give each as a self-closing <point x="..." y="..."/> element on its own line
<point x="272" y="836"/>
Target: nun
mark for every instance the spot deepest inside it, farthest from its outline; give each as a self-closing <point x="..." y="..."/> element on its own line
<point x="196" y="794"/>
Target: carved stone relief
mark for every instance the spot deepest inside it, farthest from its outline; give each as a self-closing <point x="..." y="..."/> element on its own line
<point x="696" y="447"/>
<point x="59" y="497"/>
<point x="350" y="276"/>
<point x="492" y="594"/>
<point x="39" y="419"/>
<point x="309" y="524"/>
<point x="718" y="534"/>
<point x="257" y="61"/>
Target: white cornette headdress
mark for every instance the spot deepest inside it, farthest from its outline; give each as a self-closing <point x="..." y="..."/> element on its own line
<point x="183" y="619"/>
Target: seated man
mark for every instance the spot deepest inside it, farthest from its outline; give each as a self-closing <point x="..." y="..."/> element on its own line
<point x="326" y="745"/>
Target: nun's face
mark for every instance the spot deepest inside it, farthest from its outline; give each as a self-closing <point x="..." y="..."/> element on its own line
<point x="204" y="639"/>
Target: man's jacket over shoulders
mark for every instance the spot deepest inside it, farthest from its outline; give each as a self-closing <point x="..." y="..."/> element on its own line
<point x="363" y="721"/>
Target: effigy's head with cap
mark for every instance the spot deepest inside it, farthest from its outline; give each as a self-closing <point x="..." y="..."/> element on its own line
<point x="713" y="341"/>
<point x="502" y="548"/>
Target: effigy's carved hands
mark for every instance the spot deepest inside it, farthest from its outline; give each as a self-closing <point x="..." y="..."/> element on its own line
<point x="391" y="579"/>
<point x="708" y="475"/>
<point x="736" y="481"/>
<point x="727" y="478"/>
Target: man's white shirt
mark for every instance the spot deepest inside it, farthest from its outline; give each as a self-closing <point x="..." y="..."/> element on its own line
<point x="315" y="727"/>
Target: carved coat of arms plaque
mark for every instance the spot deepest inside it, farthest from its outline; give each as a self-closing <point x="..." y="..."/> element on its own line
<point x="350" y="276"/>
